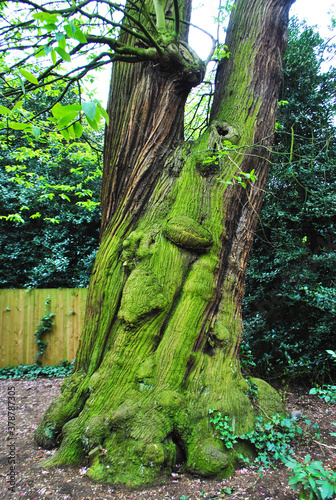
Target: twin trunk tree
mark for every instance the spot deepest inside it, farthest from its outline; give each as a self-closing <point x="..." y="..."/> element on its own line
<point x="160" y="346"/>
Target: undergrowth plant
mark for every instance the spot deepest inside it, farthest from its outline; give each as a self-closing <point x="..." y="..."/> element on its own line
<point x="314" y="481"/>
<point x="326" y="392"/>
<point x="271" y="437"/>
<point x="223" y="428"/>
<point x="33" y="371"/>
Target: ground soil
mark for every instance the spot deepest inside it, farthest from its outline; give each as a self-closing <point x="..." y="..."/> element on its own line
<point x="34" y="482"/>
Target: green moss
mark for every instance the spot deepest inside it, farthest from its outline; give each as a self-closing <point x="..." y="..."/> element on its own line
<point x="136" y="247"/>
<point x="131" y="462"/>
<point x="124" y="412"/>
<point x="208" y="459"/>
<point x="94" y="432"/>
<point x="170" y="399"/>
<point x="170" y="454"/>
<point x="268" y="398"/>
<point x="71" y="451"/>
<point x="153" y="454"/>
<point x="146" y="341"/>
<point x="208" y="169"/>
<point x="142" y="296"/>
<point x="146" y="369"/>
<point x="201" y="282"/>
<point x="222" y="335"/>
<point x="187" y="233"/>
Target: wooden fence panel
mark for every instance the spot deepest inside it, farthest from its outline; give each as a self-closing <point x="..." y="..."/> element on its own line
<point x="21" y="312"/>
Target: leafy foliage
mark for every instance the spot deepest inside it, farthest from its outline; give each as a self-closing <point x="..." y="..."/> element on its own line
<point x="326" y="392"/>
<point x="223" y="428"/>
<point x="271" y="437"/>
<point x="289" y="305"/>
<point x="34" y="371"/>
<point x="314" y="480"/>
<point x="50" y="215"/>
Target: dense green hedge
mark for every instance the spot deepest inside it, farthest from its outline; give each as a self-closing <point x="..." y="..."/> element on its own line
<point x="290" y="298"/>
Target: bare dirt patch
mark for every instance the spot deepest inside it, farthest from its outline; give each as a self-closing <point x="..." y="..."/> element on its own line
<point x="34" y="482"/>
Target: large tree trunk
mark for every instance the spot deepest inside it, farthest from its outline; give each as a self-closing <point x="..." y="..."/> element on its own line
<point x="163" y="321"/>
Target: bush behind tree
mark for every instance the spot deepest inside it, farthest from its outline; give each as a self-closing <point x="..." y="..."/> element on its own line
<point x="290" y="295"/>
<point x="48" y="237"/>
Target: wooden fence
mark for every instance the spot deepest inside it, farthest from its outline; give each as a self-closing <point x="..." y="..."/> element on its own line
<point x="21" y="312"/>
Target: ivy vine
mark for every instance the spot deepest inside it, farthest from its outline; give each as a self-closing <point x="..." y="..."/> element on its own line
<point x="43" y="327"/>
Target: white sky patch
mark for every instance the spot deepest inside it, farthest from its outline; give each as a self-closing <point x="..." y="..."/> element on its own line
<point x="315" y="13"/>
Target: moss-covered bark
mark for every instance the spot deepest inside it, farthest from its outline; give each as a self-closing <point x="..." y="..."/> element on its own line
<point x="163" y="320"/>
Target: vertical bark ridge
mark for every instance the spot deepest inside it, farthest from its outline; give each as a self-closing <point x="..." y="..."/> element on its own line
<point x="146" y="109"/>
<point x="140" y="140"/>
<point x="265" y="29"/>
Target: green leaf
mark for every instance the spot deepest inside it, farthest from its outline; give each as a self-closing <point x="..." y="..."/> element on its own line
<point x="93" y="124"/>
<point x="18" y="126"/>
<point x="71" y="132"/>
<point x="13" y="218"/>
<point x="80" y="36"/>
<point x="4" y="110"/>
<point x="65" y="134"/>
<point x="104" y="114"/>
<point x="64" y="55"/>
<point x="31" y="78"/>
<point x="73" y="27"/>
<point x="302" y="494"/>
<point x="37" y="215"/>
<point x="65" y="120"/>
<point x="70" y="30"/>
<point x="89" y="204"/>
<point x="40" y="53"/>
<point x="50" y="27"/>
<point x="50" y="196"/>
<point x="52" y="220"/>
<point x="48" y="49"/>
<point x="64" y="197"/>
<point x="45" y="17"/>
<point x="62" y="43"/>
<point x="18" y="105"/>
<point x="60" y="111"/>
<point x="57" y="110"/>
<point x="53" y="56"/>
<point x="21" y="83"/>
<point x="326" y="490"/>
<point x="90" y="109"/>
<point x="36" y="131"/>
<point x="78" y="129"/>
<point x="312" y="482"/>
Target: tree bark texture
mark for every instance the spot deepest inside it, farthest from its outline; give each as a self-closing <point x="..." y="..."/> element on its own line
<point x="163" y="320"/>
